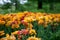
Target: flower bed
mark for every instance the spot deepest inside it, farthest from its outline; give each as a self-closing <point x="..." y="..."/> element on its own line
<point x="29" y="26"/>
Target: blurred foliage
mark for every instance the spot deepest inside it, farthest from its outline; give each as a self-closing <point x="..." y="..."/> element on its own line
<point x="30" y="6"/>
<point x="6" y="6"/>
<point x="44" y="33"/>
<point x="47" y="1"/>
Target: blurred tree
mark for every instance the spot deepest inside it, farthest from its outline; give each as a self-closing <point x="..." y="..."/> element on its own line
<point x="39" y="4"/>
<point x="17" y="4"/>
<point x="51" y="4"/>
<point x="6" y="6"/>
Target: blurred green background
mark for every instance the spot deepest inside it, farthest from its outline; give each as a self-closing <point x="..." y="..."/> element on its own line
<point x="48" y="6"/>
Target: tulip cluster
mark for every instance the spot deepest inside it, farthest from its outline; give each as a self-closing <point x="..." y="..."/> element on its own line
<point x="14" y="20"/>
<point x="8" y="37"/>
<point x="23" y="32"/>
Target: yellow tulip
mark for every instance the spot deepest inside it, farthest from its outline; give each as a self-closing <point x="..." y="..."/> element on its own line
<point x="14" y="33"/>
<point x="33" y="38"/>
<point x="2" y="33"/>
<point x="32" y="32"/>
